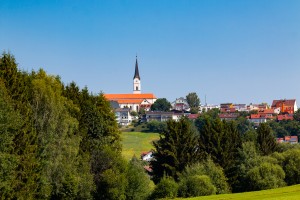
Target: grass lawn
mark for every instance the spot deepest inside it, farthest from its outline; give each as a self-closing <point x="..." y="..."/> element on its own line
<point x="285" y="193"/>
<point x="137" y="142"/>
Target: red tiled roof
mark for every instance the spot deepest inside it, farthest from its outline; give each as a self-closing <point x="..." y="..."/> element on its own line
<point x="268" y="111"/>
<point x="255" y="116"/>
<point x="129" y="96"/>
<point x="129" y="101"/>
<point x="286" y="102"/>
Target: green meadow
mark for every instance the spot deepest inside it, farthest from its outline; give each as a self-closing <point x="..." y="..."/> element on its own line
<point x="284" y="193"/>
<point x="134" y="143"/>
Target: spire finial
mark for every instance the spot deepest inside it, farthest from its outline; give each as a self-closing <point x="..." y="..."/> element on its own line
<point x="136" y="72"/>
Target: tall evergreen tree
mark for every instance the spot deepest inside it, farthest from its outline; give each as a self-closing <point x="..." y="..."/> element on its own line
<point x="10" y="123"/>
<point x="176" y="148"/>
<point x="18" y="85"/>
<point x="265" y="139"/>
<point x="221" y="141"/>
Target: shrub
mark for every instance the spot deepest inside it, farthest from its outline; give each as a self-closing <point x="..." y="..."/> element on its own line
<point x="198" y="185"/>
<point x="291" y="166"/>
<point x="210" y="169"/>
<point x="166" y="188"/>
<point x="266" y="176"/>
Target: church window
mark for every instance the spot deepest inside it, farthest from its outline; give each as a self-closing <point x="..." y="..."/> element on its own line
<point x="136" y="88"/>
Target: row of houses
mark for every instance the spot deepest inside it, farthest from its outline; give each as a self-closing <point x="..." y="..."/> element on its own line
<point x="228" y="111"/>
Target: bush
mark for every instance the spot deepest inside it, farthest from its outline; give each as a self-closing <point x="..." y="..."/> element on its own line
<point x="291" y="166"/>
<point x="210" y="169"/>
<point x="156" y="126"/>
<point x="139" y="183"/>
<point x="198" y="185"/>
<point x="166" y="188"/>
<point x="266" y="176"/>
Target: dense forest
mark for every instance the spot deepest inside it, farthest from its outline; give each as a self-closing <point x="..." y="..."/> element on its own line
<point x="58" y="141"/>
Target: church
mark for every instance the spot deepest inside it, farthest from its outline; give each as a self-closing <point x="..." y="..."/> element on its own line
<point x="137" y="100"/>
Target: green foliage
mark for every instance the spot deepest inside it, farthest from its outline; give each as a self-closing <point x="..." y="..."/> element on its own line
<point x="156" y="126"/>
<point x="291" y="166"/>
<point x="243" y="125"/>
<point x="50" y="137"/>
<point x="207" y="168"/>
<point x="193" y="101"/>
<point x="197" y="185"/>
<point x="10" y="122"/>
<point x="166" y="188"/>
<point x="133" y="113"/>
<point x="109" y="169"/>
<point x="221" y="141"/>
<point x="265" y="139"/>
<point x="139" y="184"/>
<point x="176" y="148"/>
<point x="250" y="136"/>
<point x="266" y="176"/>
<point x="57" y="144"/>
<point x="161" y="104"/>
<point x="18" y="87"/>
<point x="297" y="115"/>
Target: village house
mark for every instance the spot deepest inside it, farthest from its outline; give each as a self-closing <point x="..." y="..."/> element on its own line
<point x="123" y="116"/>
<point x="288" y="139"/>
<point x="257" y="107"/>
<point x="228" y="116"/>
<point x="207" y="107"/>
<point x="163" y="116"/>
<point x="240" y="107"/>
<point x="285" y="105"/>
<point x="256" y="119"/>
<point x="227" y="108"/>
<point x="147" y="156"/>
<point x="180" y="104"/>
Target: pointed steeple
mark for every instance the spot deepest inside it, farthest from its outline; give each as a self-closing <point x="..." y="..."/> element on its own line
<point x="136" y="73"/>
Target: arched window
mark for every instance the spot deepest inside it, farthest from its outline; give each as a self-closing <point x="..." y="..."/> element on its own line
<point x="136" y="88"/>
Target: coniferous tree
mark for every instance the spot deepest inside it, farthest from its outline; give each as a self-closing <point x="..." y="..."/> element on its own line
<point x="265" y="139"/>
<point x="176" y="148"/>
<point x="18" y="85"/>
<point x="221" y="141"/>
<point x="10" y="122"/>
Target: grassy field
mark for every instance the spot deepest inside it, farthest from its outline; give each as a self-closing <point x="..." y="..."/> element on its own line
<point x="134" y="143"/>
<point x="285" y="193"/>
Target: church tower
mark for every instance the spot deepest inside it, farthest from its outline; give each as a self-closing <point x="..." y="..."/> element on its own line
<point x="136" y="79"/>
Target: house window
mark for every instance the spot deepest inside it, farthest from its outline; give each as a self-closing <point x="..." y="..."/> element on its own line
<point x="137" y="108"/>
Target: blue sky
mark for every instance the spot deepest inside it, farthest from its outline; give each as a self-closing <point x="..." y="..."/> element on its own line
<point x="238" y="51"/>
